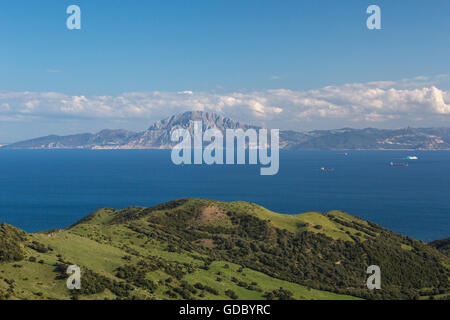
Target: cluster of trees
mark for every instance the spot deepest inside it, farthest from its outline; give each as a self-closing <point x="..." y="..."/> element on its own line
<point x="279" y="294"/>
<point x="204" y="287"/>
<point x="7" y="294"/>
<point x="370" y="230"/>
<point x="39" y="247"/>
<point x="252" y="286"/>
<point x="231" y="294"/>
<point x="92" y="282"/>
<point x="135" y="213"/>
<point x="442" y="245"/>
<point x="136" y="276"/>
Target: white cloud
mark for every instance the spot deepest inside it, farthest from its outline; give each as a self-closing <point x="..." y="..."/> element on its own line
<point x="384" y="103"/>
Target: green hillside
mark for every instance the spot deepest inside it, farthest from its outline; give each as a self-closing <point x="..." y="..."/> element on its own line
<point x="442" y="245"/>
<point x="204" y="249"/>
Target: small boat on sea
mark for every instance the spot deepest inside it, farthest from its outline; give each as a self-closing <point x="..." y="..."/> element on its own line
<point x="398" y="164"/>
<point x="326" y="169"/>
<point x="412" y="158"/>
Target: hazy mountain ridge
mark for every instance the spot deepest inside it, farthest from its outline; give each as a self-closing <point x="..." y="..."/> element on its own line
<point x="157" y="136"/>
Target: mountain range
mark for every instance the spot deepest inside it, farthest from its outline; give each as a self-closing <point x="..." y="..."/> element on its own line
<point x="157" y="136"/>
<point x="199" y="249"/>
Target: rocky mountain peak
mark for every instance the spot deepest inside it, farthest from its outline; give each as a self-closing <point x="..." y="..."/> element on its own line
<point x="186" y="119"/>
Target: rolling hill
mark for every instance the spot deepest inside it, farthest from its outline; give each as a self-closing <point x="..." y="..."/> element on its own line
<point x="205" y="249"/>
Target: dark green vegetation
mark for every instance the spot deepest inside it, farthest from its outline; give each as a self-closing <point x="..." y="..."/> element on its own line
<point x="10" y="239"/>
<point x="204" y="249"/>
<point x="442" y="245"/>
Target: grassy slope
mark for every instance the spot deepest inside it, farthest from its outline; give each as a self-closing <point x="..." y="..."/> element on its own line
<point x="101" y="241"/>
<point x="101" y="248"/>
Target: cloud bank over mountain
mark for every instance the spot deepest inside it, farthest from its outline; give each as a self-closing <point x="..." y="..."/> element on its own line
<point x="385" y="104"/>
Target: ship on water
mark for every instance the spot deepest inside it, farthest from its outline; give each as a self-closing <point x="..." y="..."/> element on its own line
<point x="412" y="158"/>
<point x="325" y="169"/>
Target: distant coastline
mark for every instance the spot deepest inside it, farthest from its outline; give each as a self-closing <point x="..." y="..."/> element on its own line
<point x="4" y="146"/>
<point x="158" y="136"/>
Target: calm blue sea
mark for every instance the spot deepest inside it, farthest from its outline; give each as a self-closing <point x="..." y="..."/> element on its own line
<point x="45" y="189"/>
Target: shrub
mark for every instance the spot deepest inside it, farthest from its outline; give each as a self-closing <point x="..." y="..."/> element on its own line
<point x="231" y="294"/>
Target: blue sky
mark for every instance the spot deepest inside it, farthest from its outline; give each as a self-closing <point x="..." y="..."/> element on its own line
<point x="213" y="47"/>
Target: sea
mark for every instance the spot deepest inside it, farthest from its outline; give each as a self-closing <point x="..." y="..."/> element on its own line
<point x="47" y="189"/>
